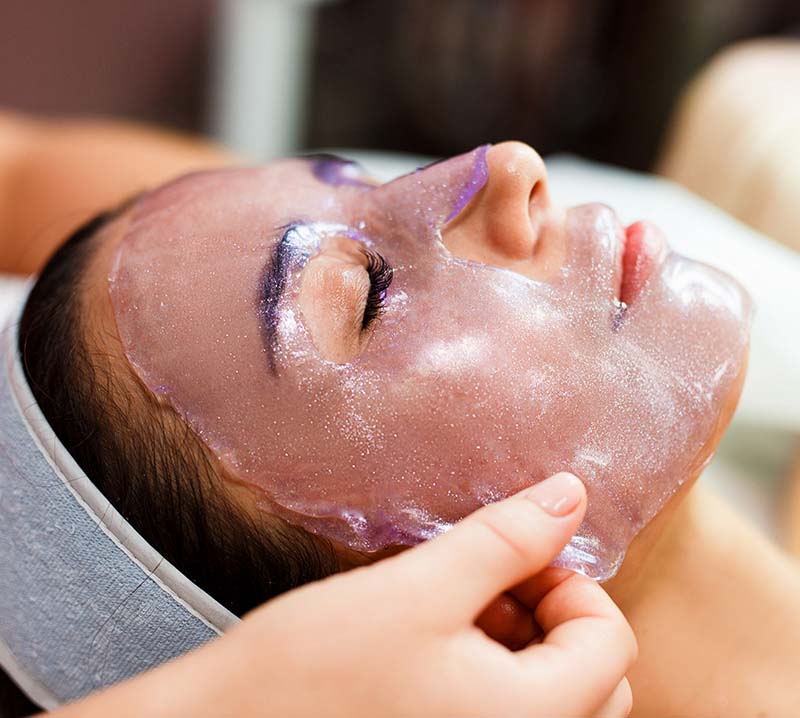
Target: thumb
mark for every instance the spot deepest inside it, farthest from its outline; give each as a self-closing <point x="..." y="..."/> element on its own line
<point x="455" y="575"/>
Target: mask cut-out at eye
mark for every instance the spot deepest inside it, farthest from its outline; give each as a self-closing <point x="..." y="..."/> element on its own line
<point x="475" y="383"/>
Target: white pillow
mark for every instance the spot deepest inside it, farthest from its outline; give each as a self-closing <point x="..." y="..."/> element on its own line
<point x="11" y="290"/>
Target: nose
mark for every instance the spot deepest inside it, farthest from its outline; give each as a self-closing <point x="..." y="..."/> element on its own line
<point x="506" y="222"/>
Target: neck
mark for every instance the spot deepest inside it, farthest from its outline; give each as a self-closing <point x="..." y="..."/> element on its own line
<point x="714" y="614"/>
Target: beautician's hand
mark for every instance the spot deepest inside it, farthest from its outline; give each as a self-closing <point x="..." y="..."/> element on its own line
<point x="399" y="638"/>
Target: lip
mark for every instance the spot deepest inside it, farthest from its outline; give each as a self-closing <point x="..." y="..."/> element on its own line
<point x="644" y="249"/>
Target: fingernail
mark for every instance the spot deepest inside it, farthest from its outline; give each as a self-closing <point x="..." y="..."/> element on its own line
<point x="559" y="495"/>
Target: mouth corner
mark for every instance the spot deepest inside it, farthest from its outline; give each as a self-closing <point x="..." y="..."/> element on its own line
<point x="618" y="314"/>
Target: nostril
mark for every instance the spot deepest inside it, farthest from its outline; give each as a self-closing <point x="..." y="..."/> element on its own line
<point x="538" y="196"/>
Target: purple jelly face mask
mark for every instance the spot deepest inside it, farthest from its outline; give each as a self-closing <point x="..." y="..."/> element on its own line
<point x="475" y="383"/>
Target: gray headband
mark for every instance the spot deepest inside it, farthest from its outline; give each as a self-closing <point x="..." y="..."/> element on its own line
<point x="85" y="601"/>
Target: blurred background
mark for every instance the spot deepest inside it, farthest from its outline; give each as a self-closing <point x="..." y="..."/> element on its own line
<point x="705" y="93"/>
<point x="269" y="77"/>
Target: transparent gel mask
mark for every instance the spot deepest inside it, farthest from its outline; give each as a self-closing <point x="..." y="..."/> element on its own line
<point x="475" y="383"/>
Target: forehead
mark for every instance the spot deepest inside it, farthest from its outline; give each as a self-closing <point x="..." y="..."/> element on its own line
<point x="258" y="199"/>
<point x="235" y="203"/>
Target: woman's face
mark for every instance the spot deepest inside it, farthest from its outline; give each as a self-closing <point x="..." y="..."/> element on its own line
<point x="378" y="361"/>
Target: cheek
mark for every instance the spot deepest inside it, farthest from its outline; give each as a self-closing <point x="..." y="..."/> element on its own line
<point x="467" y="396"/>
<point x="438" y="444"/>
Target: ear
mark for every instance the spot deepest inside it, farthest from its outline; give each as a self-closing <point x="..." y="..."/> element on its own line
<point x="509" y="622"/>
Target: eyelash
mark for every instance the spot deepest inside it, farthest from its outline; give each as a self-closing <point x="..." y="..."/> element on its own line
<point x="380" y="277"/>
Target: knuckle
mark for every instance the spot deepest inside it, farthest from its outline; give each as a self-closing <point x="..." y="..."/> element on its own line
<point x="622" y="634"/>
<point x="628" y="639"/>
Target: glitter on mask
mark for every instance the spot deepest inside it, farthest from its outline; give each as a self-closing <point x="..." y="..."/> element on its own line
<point x="476" y="382"/>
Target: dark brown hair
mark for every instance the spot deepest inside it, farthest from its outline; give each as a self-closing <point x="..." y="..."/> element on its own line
<point x="148" y="463"/>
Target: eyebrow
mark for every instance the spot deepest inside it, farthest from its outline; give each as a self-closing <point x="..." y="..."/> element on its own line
<point x="270" y="293"/>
